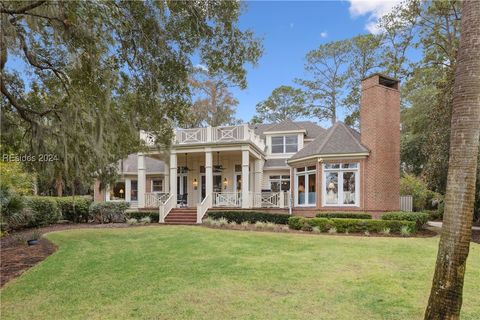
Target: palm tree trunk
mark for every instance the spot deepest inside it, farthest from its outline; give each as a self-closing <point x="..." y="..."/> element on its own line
<point x="446" y="295"/>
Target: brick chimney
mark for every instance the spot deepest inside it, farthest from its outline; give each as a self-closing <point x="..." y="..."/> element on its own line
<point x="380" y="132"/>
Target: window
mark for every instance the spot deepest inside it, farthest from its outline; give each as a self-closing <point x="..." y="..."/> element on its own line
<point x="341" y="184"/>
<point x="118" y="191"/>
<point x="134" y="190"/>
<point x="278" y="183"/>
<point x="306" y="186"/>
<point x="285" y="144"/>
<point x="157" y="185"/>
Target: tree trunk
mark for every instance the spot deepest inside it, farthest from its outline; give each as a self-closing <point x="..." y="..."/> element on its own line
<point x="59" y="186"/>
<point x="446" y="294"/>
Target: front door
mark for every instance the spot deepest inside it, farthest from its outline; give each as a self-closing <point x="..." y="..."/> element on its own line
<point x="203" y="186"/>
<point x="238" y="182"/>
<point x="182" y="187"/>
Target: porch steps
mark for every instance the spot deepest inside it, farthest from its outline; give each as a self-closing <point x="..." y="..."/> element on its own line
<point x="182" y="216"/>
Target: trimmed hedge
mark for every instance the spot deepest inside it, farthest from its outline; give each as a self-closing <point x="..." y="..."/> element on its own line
<point x="153" y="215"/>
<point x="420" y="218"/>
<point x="75" y="209"/>
<point x="43" y="210"/>
<point x="350" y="225"/>
<point x="346" y="215"/>
<point x="250" y="216"/>
<point x="108" y="212"/>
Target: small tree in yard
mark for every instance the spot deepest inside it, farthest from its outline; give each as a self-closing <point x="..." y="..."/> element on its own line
<point x="446" y="294"/>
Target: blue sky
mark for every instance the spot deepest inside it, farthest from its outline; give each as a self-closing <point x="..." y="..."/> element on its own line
<point x="289" y="30"/>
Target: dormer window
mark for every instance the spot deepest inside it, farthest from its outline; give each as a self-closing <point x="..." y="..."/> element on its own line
<point x="285" y="144"/>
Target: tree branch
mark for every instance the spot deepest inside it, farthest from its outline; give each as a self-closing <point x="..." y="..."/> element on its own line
<point x="24" y="9"/>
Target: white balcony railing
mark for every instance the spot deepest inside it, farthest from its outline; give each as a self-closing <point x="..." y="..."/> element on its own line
<point x="219" y="134"/>
<point x="227" y="199"/>
<point x="269" y="199"/>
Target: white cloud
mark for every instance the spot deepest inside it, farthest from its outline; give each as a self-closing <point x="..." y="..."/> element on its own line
<point x="292" y="25"/>
<point x="374" y="9"/>
<point x="323" y="34"/>
<point x="201" y="67"/>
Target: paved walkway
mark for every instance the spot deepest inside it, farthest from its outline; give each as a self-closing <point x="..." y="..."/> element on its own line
<point x="438" y="224"/>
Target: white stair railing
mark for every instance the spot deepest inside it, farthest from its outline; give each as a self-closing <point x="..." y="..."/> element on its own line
<point x="203" y="207"/>
<point x="165" y="208"/>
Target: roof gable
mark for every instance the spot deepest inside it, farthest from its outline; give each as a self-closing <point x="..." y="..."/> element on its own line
<point x="339" y="139"/>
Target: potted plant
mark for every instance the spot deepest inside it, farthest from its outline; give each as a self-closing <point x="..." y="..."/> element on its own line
<point x="34" y="238"/>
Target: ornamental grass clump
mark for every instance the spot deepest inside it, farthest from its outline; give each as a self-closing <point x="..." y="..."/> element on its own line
<point x="316" y="230"/>
<point x="270" y="226"/>
<point x="132" y="221"/>
<point x="332" y="230"/>
<point x="222" y="222"/>
<point x="145" y="220"/>
<point x="245" y="225"/>
<point x="259" y="225"/>
<point x="405" y="231"/>
<point x="385" y="231"/>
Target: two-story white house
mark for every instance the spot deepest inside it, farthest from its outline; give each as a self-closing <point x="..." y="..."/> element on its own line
<point x="296" y="165"/>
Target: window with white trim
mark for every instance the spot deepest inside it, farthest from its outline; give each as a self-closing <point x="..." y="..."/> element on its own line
<point x="280" y="182"/>
<point x="285" y="144"/>
<point x="306" y="186"/>
<point x="341" y="184"/>
<point x="157" y="185"/>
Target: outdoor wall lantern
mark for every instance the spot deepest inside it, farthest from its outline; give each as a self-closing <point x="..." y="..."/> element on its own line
<point x="225" y="183"/>
<point x="195" y="184"/>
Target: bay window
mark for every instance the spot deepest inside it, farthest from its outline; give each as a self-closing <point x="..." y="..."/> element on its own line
<point x="305" y="183"/>
<point x="341" y="184"/>
<point x="285" y="144"/>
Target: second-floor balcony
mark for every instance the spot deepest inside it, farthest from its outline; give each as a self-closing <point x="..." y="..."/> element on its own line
<point x="240" y="133"/>
<point x="218" y="135"/>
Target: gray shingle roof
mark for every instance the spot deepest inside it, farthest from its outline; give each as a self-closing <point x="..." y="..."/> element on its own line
<point x="339" y="139"/>
<point x="313" y="130"/>
<point x="151" y="164"/>
<point x="275" y="163"/>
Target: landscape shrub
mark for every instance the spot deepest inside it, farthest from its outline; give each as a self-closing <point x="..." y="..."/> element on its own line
<point x="421" y="218"/>
<point x="153" y="215"/>
<point x="350" y="225"/>
<point x="250" y="216"/>
<point x="108" y="212"/>
<point x="145" y="220"/>
<point x="417" y="188"/>
<point x="434" y="215"/>
<point x="347" y="215"/>
<point x="12" y="213"/>
<point x="43" y="210"/>
<point x="75" y="208"/>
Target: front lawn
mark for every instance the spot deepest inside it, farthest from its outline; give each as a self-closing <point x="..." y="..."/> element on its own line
<point x="200" y="273"/>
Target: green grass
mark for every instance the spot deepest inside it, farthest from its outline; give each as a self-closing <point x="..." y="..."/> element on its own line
<point x="200" y="273"/>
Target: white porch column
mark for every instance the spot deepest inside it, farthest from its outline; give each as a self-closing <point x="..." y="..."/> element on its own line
<point x="128" y="189"/>
<point x="166" y="180"/>
<point x="245" y="178"/>
<point x="208" y="173"/>
<point x="142" y="180"/>
<point x="258" y="177"/>
<point x="173" y="176"/>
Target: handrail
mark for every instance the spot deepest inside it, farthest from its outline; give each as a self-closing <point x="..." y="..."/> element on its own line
<point x="203" y="207"/>
<point x="165" y="208"/>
